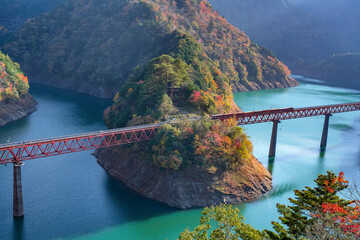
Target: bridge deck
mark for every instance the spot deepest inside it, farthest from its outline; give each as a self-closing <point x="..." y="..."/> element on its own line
<point x="272" y="115"/>
<point x="21" y="151"/>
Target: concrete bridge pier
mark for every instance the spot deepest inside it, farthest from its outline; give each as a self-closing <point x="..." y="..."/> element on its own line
<point x="18" y="206"/>
<point x="325" y="133"/>
<point x="272" y="149"/>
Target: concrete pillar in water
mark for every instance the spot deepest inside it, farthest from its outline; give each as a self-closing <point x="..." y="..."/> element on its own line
<point x="325" y="133"/>
<point x="18" y="206"/>
<point x="272" y="150"/>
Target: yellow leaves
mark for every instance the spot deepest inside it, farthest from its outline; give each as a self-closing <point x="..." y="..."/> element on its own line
<point x="226" y="140"/>
<point x="129" y="91"/>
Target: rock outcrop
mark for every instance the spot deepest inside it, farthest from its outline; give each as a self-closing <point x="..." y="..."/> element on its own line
<point x="194" y="187"/>
<point x="11" y="110"/>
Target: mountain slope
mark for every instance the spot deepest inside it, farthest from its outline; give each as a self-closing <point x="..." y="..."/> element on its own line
<point x="340" y="17"/>
<point x="288" y="30"/>
<point x="93" y="46"/>
<point x="14" y="13"/>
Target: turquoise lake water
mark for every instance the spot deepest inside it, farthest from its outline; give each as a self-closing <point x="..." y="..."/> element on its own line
<point x="71" y="197"/>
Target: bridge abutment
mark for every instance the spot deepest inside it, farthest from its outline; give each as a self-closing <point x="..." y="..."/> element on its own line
<point x="18" y="206"/>
<point x="272" y="149"/>
<point x="325" y="133"/>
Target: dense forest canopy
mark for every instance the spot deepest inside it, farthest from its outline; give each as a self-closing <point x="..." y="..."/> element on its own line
<point x="308" y="35"/>
<point x="101" y="42"/>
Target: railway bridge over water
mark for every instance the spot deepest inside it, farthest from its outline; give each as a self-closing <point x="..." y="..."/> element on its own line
<point x="18" y="152"/>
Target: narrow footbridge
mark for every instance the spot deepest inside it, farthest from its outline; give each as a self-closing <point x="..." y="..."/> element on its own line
<point x="18" y="152"/>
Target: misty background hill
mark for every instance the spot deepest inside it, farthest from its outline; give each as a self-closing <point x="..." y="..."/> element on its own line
<point x="303" y="34"/>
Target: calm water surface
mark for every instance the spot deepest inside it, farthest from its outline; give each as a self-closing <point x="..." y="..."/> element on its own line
<point x="71" y="197"/>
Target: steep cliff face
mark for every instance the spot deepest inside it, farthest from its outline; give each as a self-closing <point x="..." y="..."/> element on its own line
<point x="196" y="187"/>
<point x="12" y="110"/>
<point x="85" y="44"/>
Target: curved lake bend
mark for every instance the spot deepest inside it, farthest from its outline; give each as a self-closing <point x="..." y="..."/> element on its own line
<point x="71" y="197"/>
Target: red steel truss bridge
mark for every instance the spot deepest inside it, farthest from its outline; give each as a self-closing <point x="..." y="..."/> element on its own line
<point x="21" y="151"/>
<point x="272" y="115"/>
<point x="18" y="152"/>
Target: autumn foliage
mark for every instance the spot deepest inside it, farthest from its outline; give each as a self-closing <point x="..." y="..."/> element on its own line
<point x="320" y="213"/>
<point x="315" y="213"/>
<point x="13" y="83"/>
<point x="128" y="34"/>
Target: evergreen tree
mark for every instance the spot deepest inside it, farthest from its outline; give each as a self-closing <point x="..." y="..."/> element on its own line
<point x="315" y="213"/>
<point x="307" y="204"/>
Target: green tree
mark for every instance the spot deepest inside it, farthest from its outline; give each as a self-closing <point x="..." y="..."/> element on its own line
<point x="307" y="204"/>
<point x="222" y="223"/>
<point x="315" y="213"/>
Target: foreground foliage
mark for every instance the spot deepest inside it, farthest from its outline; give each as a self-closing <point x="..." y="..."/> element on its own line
<point x="315" y="213"/>
<point x="221" y="223"/>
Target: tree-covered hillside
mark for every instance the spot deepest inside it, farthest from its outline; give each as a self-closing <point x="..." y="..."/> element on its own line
<point x="343" y="68"/>
<point x="291" y="32"/>
<point x="96" y="44"/>
<point x="304" y="34"/>
<point x="186" y="80"/>
<point x="340" y="18"/>
<point x="13" y="13"/>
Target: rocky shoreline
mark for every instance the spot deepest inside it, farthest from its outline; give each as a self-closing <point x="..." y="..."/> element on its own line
<point x="287" y="82"/>
<point x="93" y="89"/>
<point x="12" y="110"/>
<point x="190" y="188"/>
<point x="103" y="91"/>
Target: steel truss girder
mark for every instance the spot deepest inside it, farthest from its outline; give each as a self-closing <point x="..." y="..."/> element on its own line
<point x="288" y="113"/>
<point x="46" y="148"/>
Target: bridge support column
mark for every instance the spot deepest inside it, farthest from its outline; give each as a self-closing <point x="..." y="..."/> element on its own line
<point x="272" y="149"/>
<point x="18" y="206"/>
<point x="325" y="133"/>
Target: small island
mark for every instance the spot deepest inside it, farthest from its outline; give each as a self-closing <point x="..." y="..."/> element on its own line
<point x="193" y="163"/>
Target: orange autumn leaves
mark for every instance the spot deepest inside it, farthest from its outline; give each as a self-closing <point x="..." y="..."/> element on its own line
<point x="13" y="83"/>
<point x="225" y="143"/>
<point x="209" y="102"/>
<point x="346" y="217"/>
<point x="23" y="78"/>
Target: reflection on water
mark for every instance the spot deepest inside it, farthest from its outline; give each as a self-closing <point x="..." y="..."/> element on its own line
<point x="18" y="230"/>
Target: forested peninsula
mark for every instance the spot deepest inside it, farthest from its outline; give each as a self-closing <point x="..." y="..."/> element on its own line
<point x="15" y="101"/>
<point x="160" y="60"/>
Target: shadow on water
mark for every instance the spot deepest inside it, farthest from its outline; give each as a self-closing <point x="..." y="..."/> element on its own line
<point x="322" y="153"/>
<point x="281" y="190"/>
<point x="271" y="163"/>
<point x="134" y="207"/>
<point x="11" y="128"/>
<point x="84" y="105"/>
<point x="18" y="230"/>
